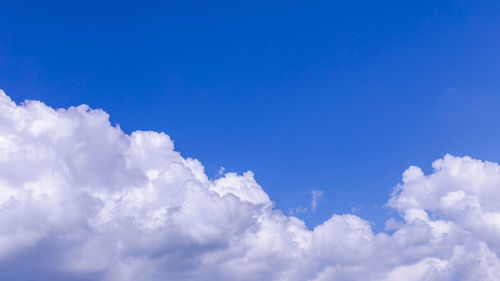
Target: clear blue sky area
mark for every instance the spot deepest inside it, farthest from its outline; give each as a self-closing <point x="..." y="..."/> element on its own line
<point x="338" y="96"/>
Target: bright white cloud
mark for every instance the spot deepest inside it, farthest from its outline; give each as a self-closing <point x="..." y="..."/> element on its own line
<point x="81" y="200"/>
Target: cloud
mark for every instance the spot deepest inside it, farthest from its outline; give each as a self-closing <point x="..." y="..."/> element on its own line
<point x="81" y="200"/>
<point x="316" y="196"/>
<point x="297" y="210"/>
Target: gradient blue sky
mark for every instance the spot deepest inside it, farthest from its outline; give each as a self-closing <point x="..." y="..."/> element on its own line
<point x="334" y="96"/>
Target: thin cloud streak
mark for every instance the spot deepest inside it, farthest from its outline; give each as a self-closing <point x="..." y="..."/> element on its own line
<point x="316" y="197"/>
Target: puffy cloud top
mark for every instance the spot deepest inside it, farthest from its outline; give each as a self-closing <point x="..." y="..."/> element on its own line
<point x="81" y="200"/>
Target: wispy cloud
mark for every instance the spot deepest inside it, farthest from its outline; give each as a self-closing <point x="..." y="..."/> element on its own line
<point x="316" y="197"/>
<point x="297" y="210"/>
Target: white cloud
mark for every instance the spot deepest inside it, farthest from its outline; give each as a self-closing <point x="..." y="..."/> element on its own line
<point x="81" y="200"/>
<point x="297" y="210"/>
<point x="316" y="196"/>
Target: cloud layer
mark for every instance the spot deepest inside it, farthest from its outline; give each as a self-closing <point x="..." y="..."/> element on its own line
<point x="81" y="200"/>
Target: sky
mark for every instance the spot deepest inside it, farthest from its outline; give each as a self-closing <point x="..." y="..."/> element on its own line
<point x="326" y="103"/>
<point x="309" y="96"/>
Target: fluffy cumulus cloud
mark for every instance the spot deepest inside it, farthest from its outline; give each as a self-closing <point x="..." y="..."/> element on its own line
<point x="81" y="200"/>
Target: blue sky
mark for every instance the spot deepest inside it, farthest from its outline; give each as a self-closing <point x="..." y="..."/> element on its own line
<point x="332" y="96"/>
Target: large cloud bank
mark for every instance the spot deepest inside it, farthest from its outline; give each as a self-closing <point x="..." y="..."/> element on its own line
<point x="81" y="200"/>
